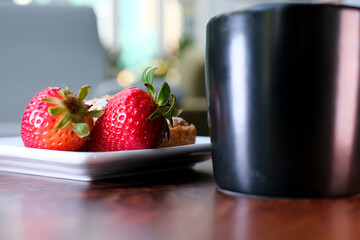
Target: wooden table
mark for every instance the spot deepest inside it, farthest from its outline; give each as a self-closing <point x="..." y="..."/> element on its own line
<point x="182" y="204"/>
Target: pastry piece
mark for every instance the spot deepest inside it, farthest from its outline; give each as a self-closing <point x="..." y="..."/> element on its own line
<point x="98" y="103"/>
<point x="182" y="133"/>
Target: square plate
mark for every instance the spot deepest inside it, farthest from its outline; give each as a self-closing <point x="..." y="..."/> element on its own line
<point x="89" y="166"/>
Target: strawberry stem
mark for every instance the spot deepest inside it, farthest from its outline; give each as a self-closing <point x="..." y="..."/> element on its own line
<point x="73" y="109"/>
<point x="164" y="101"/>
<point x="56" y="111"/>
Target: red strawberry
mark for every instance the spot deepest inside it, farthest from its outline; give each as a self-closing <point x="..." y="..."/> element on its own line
<point x="134" y="119"/>
<point x="56" y="119"/>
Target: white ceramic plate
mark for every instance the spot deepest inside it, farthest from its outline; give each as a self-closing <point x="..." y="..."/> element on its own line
<point x="89" y="166"/>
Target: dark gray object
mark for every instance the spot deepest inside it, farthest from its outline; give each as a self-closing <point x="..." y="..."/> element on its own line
<point x="283" y="95"/>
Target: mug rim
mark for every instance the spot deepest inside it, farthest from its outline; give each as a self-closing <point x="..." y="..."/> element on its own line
<point x="270" y="6"/>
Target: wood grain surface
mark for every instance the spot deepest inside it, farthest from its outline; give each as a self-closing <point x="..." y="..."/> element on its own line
<point x="181" y="204"/>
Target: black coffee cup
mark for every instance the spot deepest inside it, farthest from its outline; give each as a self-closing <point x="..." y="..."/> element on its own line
<point x="283" y="96"/>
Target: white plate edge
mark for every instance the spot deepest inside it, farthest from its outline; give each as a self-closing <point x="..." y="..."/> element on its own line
<point x="81" y="158"/>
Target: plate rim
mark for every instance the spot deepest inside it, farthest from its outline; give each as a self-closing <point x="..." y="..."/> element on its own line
<point x="73" y="158"/>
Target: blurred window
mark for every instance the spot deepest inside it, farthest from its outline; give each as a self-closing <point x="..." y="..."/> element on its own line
<point x="136" y="32"/>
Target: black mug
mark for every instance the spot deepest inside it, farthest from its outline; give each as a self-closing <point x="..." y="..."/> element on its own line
<point x="283" y="100"/>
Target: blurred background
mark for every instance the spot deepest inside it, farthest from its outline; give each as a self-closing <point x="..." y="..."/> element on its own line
<point x="167" y="34"/>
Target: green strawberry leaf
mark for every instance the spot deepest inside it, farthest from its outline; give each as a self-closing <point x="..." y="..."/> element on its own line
<point x="52" y="100"/>
<point x="95" y="113"/>
<point x="81" y="129"/>
<point x="56" y="111"/>
<point x="172" y="106"/>
<point x="151" y="90"/>
<point x="155" y="114"/>
<point x="173" y="112"/>
<point x="62" y="93"/>
<point x="83" y="92"/>
<point x="63" y="122"/>
<point x="163" y="95"/>
<point x="177" y="112"/>
<point x="65" y="92"/>
<point x="150" y="75"/>
<point x="144" y="75"/>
